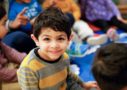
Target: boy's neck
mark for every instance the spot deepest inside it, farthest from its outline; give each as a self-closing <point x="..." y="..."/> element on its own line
<point x="42" y="58"/>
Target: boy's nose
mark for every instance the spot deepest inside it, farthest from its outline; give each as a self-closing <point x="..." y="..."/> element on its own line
<point x="54" y="44"/>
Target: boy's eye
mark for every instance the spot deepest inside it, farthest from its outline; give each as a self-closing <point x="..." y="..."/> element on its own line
<point x="61" y="38"/>
<point x="46" y="39"/>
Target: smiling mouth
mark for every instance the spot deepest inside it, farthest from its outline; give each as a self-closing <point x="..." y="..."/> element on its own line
<point x="55" y="52"/>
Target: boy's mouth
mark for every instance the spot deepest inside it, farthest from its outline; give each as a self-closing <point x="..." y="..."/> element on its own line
<point x="55" y="52"/>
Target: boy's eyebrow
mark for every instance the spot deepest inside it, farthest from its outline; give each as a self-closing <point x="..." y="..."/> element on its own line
<point x="51" y="35"/>
<point x="63" y="35"/>
<point x="46" y="35"/>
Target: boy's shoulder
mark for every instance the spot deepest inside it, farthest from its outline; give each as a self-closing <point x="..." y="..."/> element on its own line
<point x="32" y="62"/>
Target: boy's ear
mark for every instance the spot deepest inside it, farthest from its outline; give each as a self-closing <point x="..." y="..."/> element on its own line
<point x="35" y="40"/>
<point x="71" y="37"/>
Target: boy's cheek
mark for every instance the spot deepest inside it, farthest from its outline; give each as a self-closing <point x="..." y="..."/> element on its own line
<point x="2" y="24"/>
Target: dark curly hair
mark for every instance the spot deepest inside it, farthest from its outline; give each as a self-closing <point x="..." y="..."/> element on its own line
<point x="53" y="18"/>
<point x="110" y="66"/>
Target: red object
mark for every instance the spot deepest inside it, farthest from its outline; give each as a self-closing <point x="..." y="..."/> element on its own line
<point x="93" y="27"/>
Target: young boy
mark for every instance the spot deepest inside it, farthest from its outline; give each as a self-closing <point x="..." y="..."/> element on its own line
<point x="110" y="67"/>
<point x="46" y="67"/>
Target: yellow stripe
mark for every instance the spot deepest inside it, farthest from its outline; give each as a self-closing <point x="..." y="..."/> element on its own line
<point x="25" y="60"/>
<point x="66" y="56"/>
<point x="53" y="79"/>
<point x="33" y="64"/>
<point x="36" y="65"/>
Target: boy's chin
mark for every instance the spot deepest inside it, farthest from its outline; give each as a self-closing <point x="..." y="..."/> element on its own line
<point x="54" y="58"/>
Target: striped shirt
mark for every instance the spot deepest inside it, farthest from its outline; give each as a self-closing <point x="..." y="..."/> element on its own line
<point x="37" y="74"/>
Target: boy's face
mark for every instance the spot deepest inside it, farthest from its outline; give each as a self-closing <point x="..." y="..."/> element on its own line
<point x="52" y="43"/>
<point x="26" y="1"/>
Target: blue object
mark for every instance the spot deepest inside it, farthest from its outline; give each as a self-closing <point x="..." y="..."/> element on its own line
<point x="77" y="49"/>
<point x="84" y="58"/>
<point x="84" y="61"/>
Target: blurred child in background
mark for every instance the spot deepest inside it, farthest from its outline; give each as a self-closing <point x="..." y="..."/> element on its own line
<point x="10" y="58"/>
<point x="104" y="14"/>
<point x="110" y="67"/>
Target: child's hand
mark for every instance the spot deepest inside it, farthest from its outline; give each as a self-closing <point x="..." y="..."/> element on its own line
<point x="89" y="85"/>
<point x="121" y="19"/>
<point x="21" y="19"/>
<point x="32" y="21"/>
